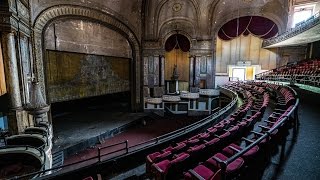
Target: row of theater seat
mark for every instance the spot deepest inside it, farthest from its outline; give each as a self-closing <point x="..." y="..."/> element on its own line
<point x="305" y="72"/>
<point x="211" y="169"/>
<point x="311" y="67"/>
<point x="169" y="161"/>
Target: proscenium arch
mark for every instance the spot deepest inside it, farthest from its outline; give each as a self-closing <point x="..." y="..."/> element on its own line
<point x="55" y="12"/>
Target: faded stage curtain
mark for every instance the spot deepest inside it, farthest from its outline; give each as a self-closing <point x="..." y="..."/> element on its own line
<point x="177" y="56"/>
<point x="258" y="26"/>
<point x="3" y="88"/>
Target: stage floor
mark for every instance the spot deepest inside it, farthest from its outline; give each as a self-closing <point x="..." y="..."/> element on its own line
<point x="72" y="128"/>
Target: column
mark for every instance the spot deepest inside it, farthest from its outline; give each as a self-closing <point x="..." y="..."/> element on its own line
<point x="191" y="75"/>
<point x="210" y="72"/>
<point x="12" y="81"/>
<point x="162" y="69"/>
<point x="197" y="71"/>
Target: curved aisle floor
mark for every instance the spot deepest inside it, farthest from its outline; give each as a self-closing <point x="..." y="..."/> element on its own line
<point x="301" y="158"/>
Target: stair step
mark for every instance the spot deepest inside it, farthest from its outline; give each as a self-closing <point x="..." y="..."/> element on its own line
<point x="57" y="159"/>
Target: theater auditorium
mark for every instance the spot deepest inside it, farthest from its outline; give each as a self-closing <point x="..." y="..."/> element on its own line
<point x="160" y="89"/>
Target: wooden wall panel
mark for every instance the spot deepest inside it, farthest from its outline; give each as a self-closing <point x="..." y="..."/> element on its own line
<point x="264" y="58"/>
<point x="218" y="56"/>
<point x="255" y="46"/>
<point x="243" y="48"/>
<point x="234" y="50"/>
<point x="226" y="56"/>
<point x="180" y="58"/>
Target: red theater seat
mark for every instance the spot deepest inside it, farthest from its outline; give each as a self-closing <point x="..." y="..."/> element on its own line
<point x="202" y="172"/>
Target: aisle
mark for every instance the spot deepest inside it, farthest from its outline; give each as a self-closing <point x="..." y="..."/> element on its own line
<point x="302" y="155"/>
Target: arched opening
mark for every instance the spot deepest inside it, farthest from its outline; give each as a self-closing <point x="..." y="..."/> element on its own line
<point x="177" y="63"/>
<point x="89" y="78"/>
<point x="104" y="18"/>
<point x="85" y="59"/>
<point x="125" y="74"/>
<point x="239" y="52"/>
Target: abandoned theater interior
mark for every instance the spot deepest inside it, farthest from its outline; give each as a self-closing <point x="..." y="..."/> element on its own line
<point x="160" y="89"/>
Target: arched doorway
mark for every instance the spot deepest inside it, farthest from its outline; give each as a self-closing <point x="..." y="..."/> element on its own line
<point x="177" y="63"/>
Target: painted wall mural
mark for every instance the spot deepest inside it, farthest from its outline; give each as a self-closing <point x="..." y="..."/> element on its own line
<point x="76" y="75"/>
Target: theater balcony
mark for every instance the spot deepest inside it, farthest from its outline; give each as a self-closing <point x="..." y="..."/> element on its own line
<point x="304" y="32"/>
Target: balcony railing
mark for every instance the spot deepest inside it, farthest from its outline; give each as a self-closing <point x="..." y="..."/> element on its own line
<point x="300" y="27"/>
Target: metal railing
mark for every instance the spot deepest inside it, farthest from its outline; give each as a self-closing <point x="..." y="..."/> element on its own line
<point x="301" y="27"/>
<point x="311" y="80"/>
<point x="155" y="141"/>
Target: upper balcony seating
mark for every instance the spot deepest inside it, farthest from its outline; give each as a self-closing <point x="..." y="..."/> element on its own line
<point x="303" y="72"/>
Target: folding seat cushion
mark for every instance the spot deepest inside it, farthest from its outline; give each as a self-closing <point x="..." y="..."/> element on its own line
<point x="212" y="142"/>
<point x="204" y="173"/>
<point x="195" y="149"/>
<point x="154" y="158"/>
<point x="219" y="126"/>
<point x="242" y="125"/>
<point x="231" y="168"/>
<point x="204" y="136"/>
<point x="192" y="141"/>
<point x="232" y="120"/>
<point x="88" y="178"/>
<point x="162" y="167"/>
<point x="212" y="130"/>
<point x="169" y="149"/>
<point x="225" y="135"/>
<point x="231" y="151"/>
<point x="233" y="130"/>
<point x="180" y="157"/>
<point x="179" y="147"/>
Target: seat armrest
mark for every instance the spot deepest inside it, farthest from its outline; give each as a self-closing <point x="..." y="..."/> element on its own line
<point x="233" y="148"/>
<point x="264" y="127"/>
<point x="257" y="133"/>
<point x="247" y="140"/>
<point x="217" y="159"/>
<point x="269" y="121"/>
<point x="157" y="168"/>
<point x="282" y="110"/>
<point x="195" y="174"/>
